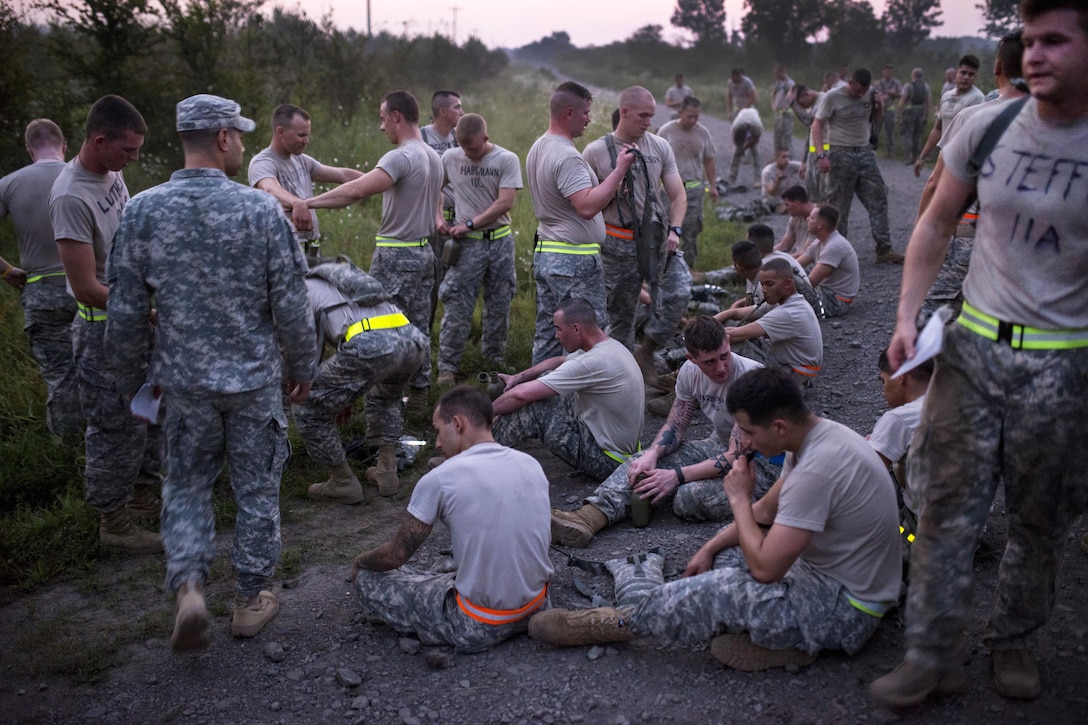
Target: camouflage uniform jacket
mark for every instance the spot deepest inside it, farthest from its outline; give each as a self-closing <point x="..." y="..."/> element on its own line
<point x="227" y="279"/>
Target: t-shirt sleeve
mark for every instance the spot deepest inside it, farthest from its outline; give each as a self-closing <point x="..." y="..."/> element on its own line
<point x="394" y="163"/>
<point x="823" y="108"/>
<point x="510" y="175"/>
<point x="831" y="255"/>
<point x="71" y="219"/>
<point x="890" y="437"/>
<point x="685" y="382"/>
<point x="804" y="503"/>
<point x="572" y="176"/>
<point x="426" y="501"/>
<point x="261" y="167"/>
<point x="571" y="376"/>
<point x="778" y="323"/>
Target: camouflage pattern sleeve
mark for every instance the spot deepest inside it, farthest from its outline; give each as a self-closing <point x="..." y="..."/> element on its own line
<point x="290" y="308"/>
<point x="128" y="332"/>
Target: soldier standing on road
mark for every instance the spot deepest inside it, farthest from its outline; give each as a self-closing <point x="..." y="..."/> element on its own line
<point x="890" y="90"/>
<point x="409" y="178"/>
<point x="122" y="454"/>
<point x="841" y="132"/>
<point x="914" y="107"/>
<point x="567" y="200"/>
<point x="485" y="179"/>
<point x="781" y="100"/>
<point x="48" y="309"/>
<point x="225" y="273"/>
<point x="287" y="173"/>
<point x="693" y="147"/>
<point x="740" y="93"/>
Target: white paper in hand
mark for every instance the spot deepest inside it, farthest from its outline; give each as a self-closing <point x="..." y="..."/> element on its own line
<point x="145" y="404"/>
<point x="929" y="343"/>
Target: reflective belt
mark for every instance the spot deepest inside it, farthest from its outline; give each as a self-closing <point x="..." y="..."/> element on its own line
<point x="627" y="235"/>
<point x="1020" y="337"/>
<point x="91" y="314"/>
<point x="873" y="609"/>
<point x="381" y="322"/>
<point x="909" y="537"/>
<point x="807" y="370"/>
<point x="847" y="300"/>
<point x="564" y="248"/>
<point x="693" y="184"/>
<point x="503" y="231"/>
<point x="622" y="457"/>
<point x="56" y="278"/>
<point x="391" y="242"/>
<point x="500" y="616"/>
<point x="447" y="214"/>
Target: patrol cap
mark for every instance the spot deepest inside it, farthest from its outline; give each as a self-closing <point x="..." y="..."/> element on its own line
<point x="205" y="111"/>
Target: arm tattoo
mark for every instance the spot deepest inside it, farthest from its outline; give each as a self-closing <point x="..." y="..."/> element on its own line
<point x="676" y="425"/>
<point x="722" y="463"/>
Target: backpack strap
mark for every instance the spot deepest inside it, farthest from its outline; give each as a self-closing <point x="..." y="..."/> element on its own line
<point x="993" y="134"/>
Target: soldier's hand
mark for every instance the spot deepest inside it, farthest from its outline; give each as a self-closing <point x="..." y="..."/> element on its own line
<point x="702" y="561"/>
<point x="901" y="347"/>
<point x="918" y="164"/>
<point x="824" y="165"/>
<point x="657" y="484"/>
<point x="300" y="216"/>
<point x="16" y="277"/>
<point x="508" y="380"/>
<point x="625" y="157"/>
<point x="298" y="392"/>
<point x="643" y="464"/>
<point x="740" y="480"/>
<point x="344" y="416"/>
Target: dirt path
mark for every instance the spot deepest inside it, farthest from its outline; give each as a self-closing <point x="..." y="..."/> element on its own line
<point x="320" y="661"/>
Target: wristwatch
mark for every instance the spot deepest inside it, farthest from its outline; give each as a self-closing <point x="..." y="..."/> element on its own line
<point x="470" y="225"/>
<point x="677" y="231"/>
<point x="821" y="155"/>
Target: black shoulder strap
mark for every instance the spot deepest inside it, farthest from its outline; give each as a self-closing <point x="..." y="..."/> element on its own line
<point x="993" y="134"/>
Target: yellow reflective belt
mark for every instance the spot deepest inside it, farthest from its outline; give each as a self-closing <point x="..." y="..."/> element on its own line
<point x="381" y="322"/>
<point x="910" y="537"/>
<point x="40" y="277"/>
<point x="693" y="184"/>
<point x="564" y="248"/>
<point x="873" y="609"/>
<point x="91" y="314"/>
<point x="622" y="457"/>
<point x="391" y="242"/>
<point x="503" y="231"/>
<point x="1020" y="337"/>
<point x="447" y="214"/>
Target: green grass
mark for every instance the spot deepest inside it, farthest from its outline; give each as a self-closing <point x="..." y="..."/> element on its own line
<point x="47" y="531"/>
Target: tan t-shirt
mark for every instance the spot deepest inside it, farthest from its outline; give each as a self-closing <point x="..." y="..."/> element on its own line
<point x="847" y="117"/>
<point x="555" y="170"/>
<point x="408" y="207"/>
<point x="692" y="386"/>
<point x="838" y="488"/>
<point x="476" y="184"/>
<point x="691" y="148"/>
<point x="608" y="393"/>
<point x="295" y="174"/>
<point x="836" y="252"/>
<point x="660" y="162"/>
<point x="86" y="207"/>
<point x="794" y="333"/>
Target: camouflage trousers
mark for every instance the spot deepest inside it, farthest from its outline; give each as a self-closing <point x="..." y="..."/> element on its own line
<point x="947" y="289"/>
<point x="693" y="225"/>
<point x="407" y="274"/>
<point x="674" y="287"/>
<point x="807" y="610"/>
<point x="783" y="131"/>
<point x="559" y="277"/>
<point x="889" y="132"/>
<point x="248" y="432"/>
<point x="48" y="311"/>
<point x="911" y="126"/>
<point x="555" y="423"/>
<point x="378" y="364"/>
<point x="622" y="284"/>
<point x="817" y="183"/>
<point x="425" y="603"/>
<point x="833" y="305"/>
<point x="759" y="349"/>
<point x="120" y="450"/>
<point x="738" y="157"/>
<point x="986" y="407"/>
<point x="694" y="501"/>
<point x="854" y="171"/>
<point x="486" y="263"/>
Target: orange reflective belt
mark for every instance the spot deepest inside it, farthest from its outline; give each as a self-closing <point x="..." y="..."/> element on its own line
<point x="969" y="218"/>
<point x="500" y="616"/>
<point x="627" y="235"/>
<point x="847" y="300"/>
<point x="807" y="370"/>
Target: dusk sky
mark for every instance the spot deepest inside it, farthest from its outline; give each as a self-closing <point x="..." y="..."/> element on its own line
<point x="513" y="23"/>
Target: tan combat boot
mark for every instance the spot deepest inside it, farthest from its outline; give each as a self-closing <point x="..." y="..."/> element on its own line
<point x="117" y="531"/>
<point x="565" y="628"/>
<point x="342" y="487"/>
<point x="644" y="356"/>
<point x="385" y="472"/>
<point x="250" y="616"/>
<point x="576" y="528"/>
<point x="192" y="623"/>
<point x="417" y="401"/>
<point x="741" y="653"/>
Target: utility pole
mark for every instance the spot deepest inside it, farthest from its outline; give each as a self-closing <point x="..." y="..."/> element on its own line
<point x="368" y="33"/>
<point x="454" y="9"/>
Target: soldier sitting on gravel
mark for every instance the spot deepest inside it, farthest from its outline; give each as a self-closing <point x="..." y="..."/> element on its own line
<point x="498" y="528"/>
<point x="835" y="274"/>
<point x="586" y="406"/>
<point x="691" y="469"/>
<point x="821" y="577"/>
